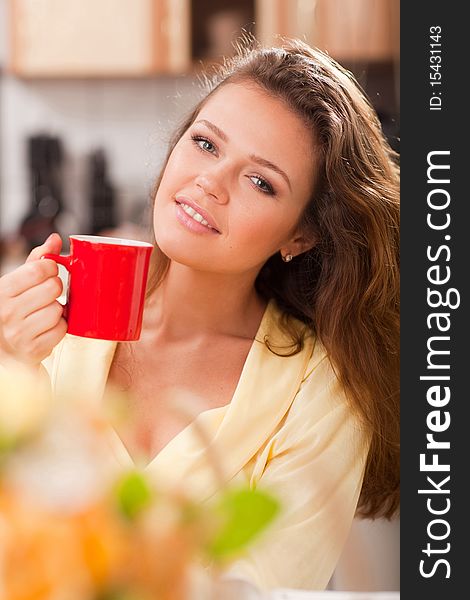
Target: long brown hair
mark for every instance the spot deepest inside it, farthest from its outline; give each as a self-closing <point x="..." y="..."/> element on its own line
<point x="346" y="288"/>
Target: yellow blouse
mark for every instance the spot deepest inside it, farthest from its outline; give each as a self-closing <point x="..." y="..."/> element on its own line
<point x="288" y="429"/>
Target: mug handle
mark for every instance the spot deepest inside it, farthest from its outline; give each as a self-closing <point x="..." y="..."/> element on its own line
<point x="65" y="261"/>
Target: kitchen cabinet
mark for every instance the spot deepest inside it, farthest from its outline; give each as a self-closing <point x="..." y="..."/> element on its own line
<point x="358" y="30"/>
<point x="349" y="30"/>
<point x="138" y="38"/>
<point x="96" y="38"/>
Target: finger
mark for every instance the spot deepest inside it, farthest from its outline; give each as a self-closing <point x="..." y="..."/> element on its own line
<point x="52" y="245"/>
<point x="42" y="345"/>
<point x="37" y="297"/>
<point x="45" y="342"/>
<point x="42" y="320"/>
<point x="26" y="277"/>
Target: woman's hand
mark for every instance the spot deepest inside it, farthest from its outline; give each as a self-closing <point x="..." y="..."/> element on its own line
<point x="31" y="321"/>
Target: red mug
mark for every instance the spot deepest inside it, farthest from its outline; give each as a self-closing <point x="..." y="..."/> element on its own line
<point x="107" y="283"/>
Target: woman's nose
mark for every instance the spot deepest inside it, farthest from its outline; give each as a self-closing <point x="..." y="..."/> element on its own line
<point x="212" y="185"/>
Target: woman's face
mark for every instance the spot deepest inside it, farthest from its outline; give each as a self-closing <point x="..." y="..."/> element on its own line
<point x="236" y="184"/>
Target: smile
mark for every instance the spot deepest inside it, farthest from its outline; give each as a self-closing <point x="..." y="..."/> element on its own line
<point x="193" y="220"/>
<point x="189" y="210"/>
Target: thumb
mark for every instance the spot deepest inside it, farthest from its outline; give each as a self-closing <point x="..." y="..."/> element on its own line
<point x="52" y="245"/>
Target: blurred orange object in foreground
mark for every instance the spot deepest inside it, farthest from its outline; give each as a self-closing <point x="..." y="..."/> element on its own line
<point x="45" y="552"/>
<point x="74" y="528"/>
<point x="88" y="555"/>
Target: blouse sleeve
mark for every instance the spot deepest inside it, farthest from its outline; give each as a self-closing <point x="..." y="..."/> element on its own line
<point x="314" y="465"/>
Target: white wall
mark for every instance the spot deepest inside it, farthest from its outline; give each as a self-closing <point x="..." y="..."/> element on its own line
<point x="371" y="558"/>
<point x="131" y="119"/>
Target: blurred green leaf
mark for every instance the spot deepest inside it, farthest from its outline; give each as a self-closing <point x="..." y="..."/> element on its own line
<point x="133" y="494"/>
<point x="245" y="513"/>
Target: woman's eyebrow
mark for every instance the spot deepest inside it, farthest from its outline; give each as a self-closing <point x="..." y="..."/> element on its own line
<point x="258" y="159"/>
<point x="214" y="128"/>
<point x="269" y="165"/>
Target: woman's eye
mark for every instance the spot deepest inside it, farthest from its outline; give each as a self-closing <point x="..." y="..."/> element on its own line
<point x="262" y="184"/>
<point x="204" y="144"/>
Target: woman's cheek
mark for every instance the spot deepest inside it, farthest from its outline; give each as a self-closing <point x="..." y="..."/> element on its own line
<point x="262" y="231"/>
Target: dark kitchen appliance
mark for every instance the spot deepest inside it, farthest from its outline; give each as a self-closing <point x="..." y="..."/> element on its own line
<point x="45" y="162"/>
<point x="101" y="194"/>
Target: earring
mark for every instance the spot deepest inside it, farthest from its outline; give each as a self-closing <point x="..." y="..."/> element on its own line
<point x="287" y="258"/>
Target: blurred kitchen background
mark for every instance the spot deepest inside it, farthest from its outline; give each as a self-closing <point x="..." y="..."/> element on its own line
<point x="90" y="92"/>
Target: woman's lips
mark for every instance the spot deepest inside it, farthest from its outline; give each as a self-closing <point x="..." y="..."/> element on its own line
<point x="199" y="216"/>
<point x="190" y="223"/>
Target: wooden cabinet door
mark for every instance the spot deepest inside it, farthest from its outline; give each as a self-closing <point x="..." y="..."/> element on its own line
<point x="358" y="30"/>
<point x="349" y="30"/>
<point x="87" y="38"/>
<point x="175" y="30"/>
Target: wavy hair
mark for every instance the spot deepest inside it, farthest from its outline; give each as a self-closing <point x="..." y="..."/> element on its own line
<point x="346" y="288"/>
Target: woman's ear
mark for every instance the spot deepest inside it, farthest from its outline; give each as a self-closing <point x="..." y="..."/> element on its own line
<point x="301" y="242"/>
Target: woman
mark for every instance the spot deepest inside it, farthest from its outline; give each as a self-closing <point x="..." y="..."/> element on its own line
<point x="273" y="303"/>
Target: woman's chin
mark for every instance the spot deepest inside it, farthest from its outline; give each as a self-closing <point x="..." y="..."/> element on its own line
<point x="184" y="246"/>
<point x="182" y="253"/>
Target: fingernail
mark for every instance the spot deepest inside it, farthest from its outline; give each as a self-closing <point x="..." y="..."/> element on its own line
<point x="49" y="238"/>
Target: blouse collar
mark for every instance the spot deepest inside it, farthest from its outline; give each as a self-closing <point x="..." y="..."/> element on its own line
<point x="212" y="449"/>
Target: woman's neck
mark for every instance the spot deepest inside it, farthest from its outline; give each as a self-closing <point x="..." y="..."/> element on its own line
<point x="199" y="303"/>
